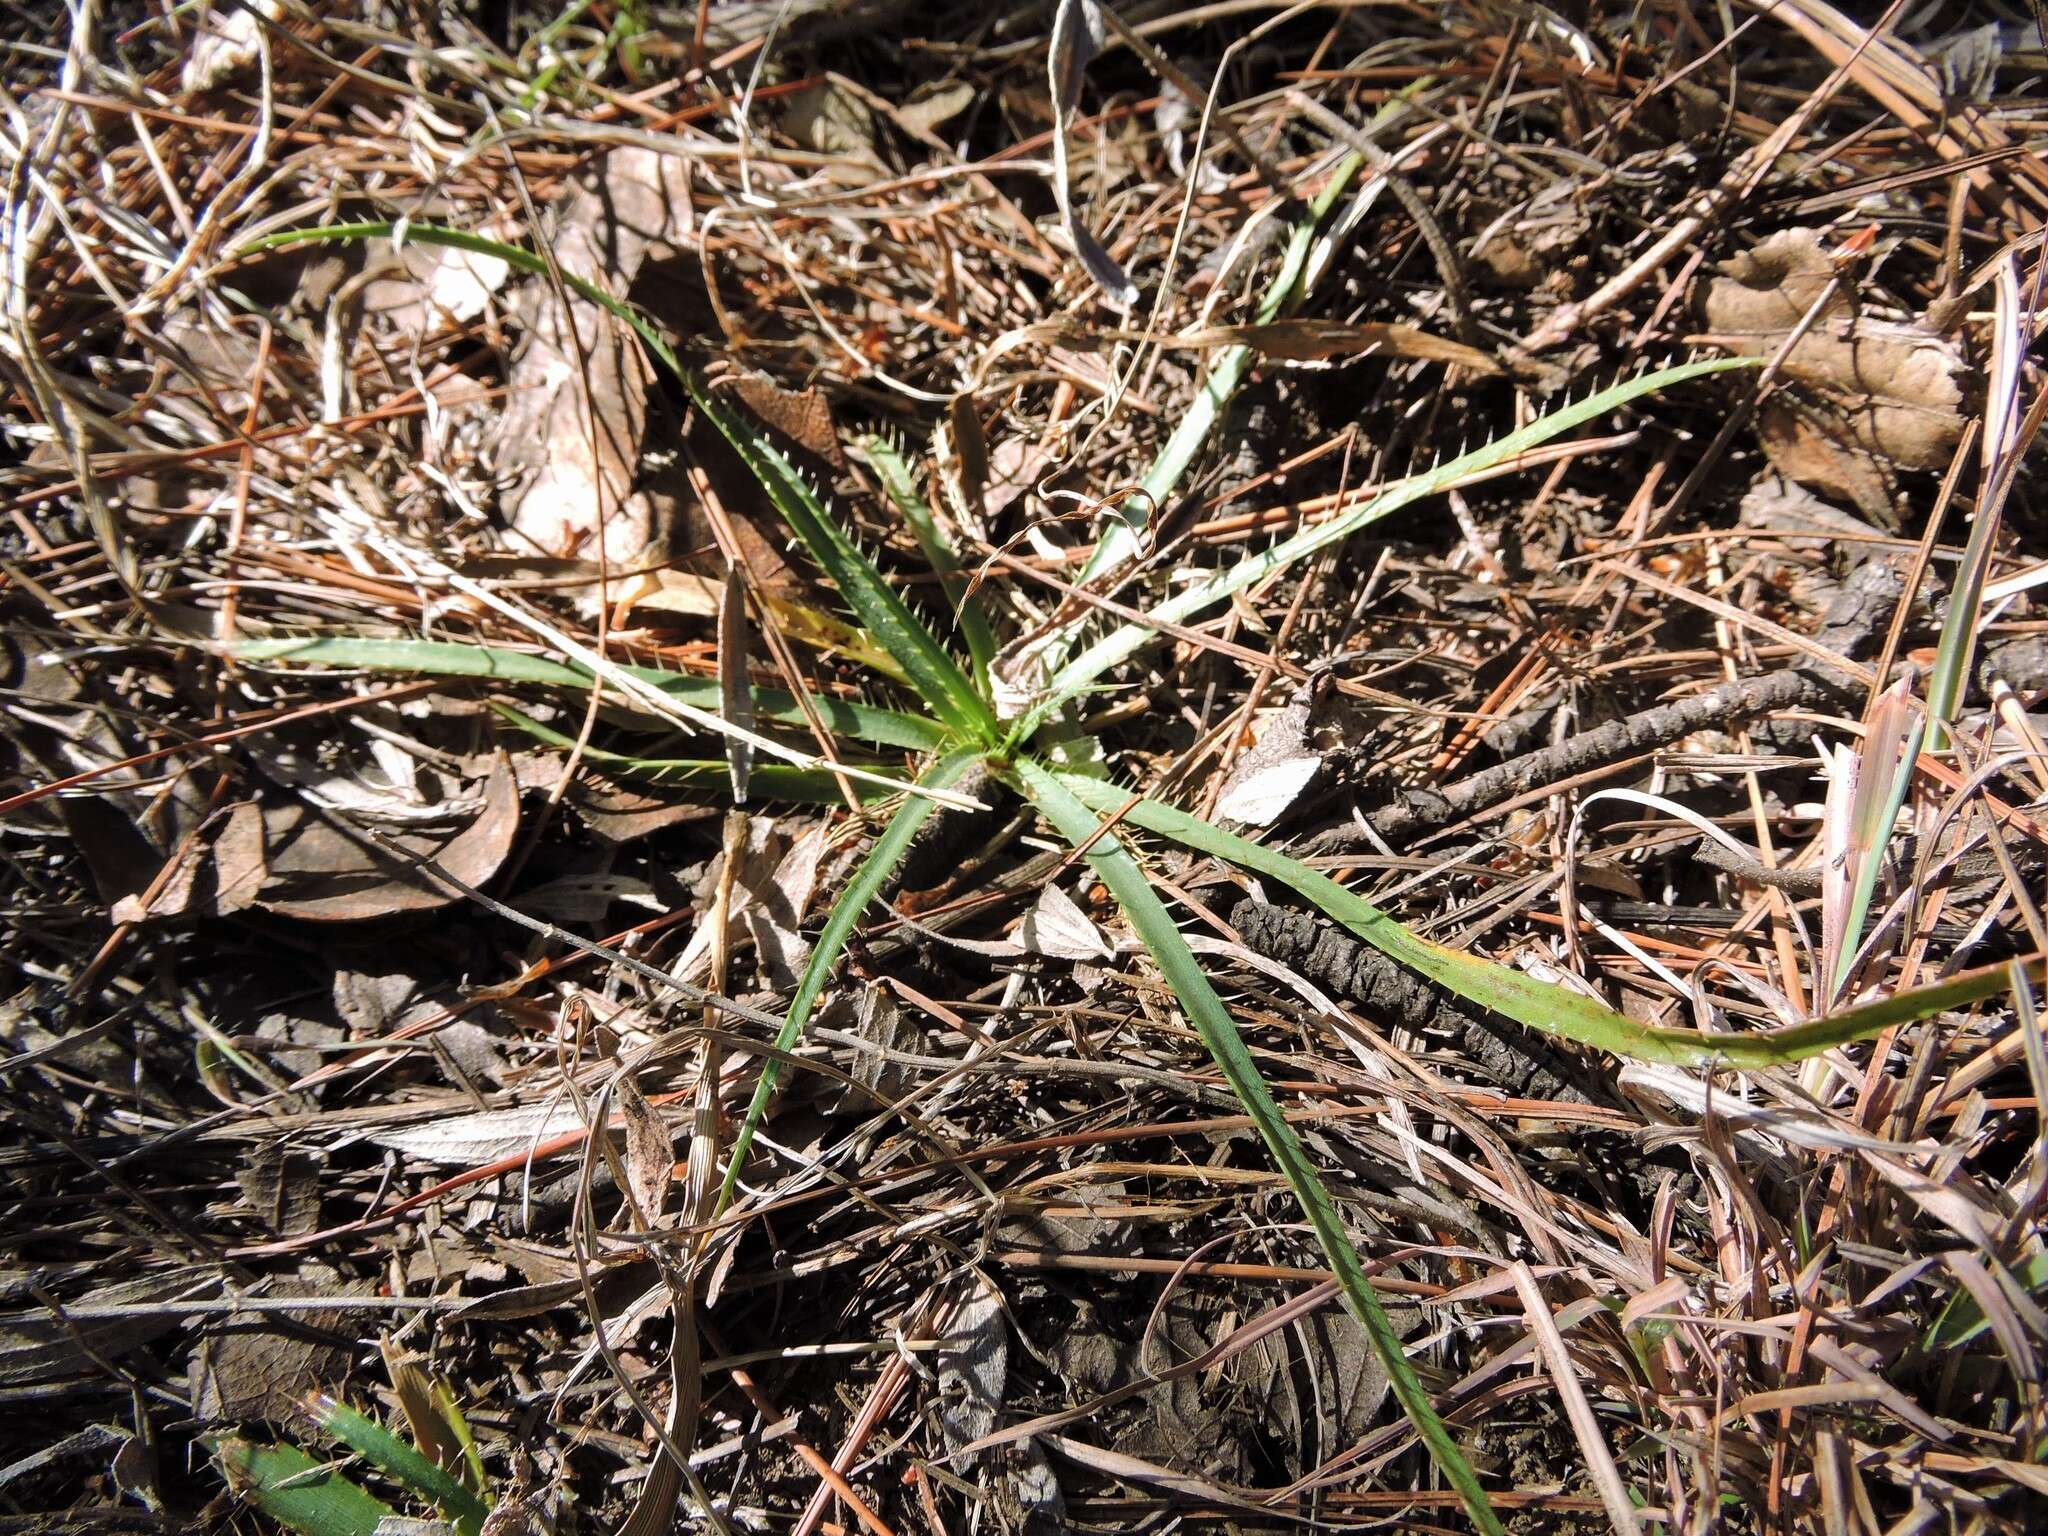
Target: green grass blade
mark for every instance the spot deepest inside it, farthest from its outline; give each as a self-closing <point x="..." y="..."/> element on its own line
<point x="1122" y="537"/>
<point x="866" y="884"/>
<point x="298" y="1492"/>
<point x="968" y="611"/>
<point x="400" y="1462"/>
<point x="774" y="781"/>
<point x="1085" y="668"/>
<point x="1542" y="1005"/>
<point x="1963" y="1319"/>
<point x="444" y="658"/>
<point x="886" y="617"/>
<point x="935" y="675"/>
<point x="1155" y="927"/>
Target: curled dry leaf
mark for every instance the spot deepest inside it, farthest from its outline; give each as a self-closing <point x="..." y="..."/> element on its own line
<point x="326" y="868"/>
<point x="770" y="891"/>
<point x="226" y="43"/>
<point x="804" y="416"/>
<point x="1869" y="397"/>
<point x="1077" y="36"/>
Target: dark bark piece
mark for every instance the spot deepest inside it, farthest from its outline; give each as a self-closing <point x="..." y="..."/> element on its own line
<point x="950" y="831"/>
<point x="1519" y="1061"/>
<point x="1854" y="620"/>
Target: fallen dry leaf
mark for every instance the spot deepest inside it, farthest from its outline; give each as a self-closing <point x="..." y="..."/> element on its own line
<point x="1869" y="397"/>
<point x="464" y="1141"/>
<point x="1315" y="341"/>
<point x="262" y="1367"/>
<point x="570" y="437"/>
<point x="804" y="416"/>
<point x="650" y="1152"/>
<point x="1057" y="926"/>
<point x="324" y="868"/>
<point x="1268" y="779"/>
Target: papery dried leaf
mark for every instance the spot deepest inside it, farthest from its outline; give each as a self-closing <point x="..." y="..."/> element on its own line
<point x="325" y="869"/>
<point x="804" y="416"/>
<point x="1058" y="927"/>
<point x="1270" y="777"/>
<point x="261" y="1367"/>
<point x="1313" y="341"/>
<point x="650" y="1152"/>
<point x="464" y="1141"/>
<point x="239" y="865"/>
<point x="226" y="44"/>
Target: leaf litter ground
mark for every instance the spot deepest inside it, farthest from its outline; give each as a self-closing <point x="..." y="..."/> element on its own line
<point x="342" y="903"/>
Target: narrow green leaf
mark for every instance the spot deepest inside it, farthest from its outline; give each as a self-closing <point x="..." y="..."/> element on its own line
<point x="934" y="674"/>
<point x="1886" y="762"/>
<point x="1543" y="1005"/>
<point x="443" y="658"/>
<point x="298" y="1492"/>
<point x="1121" y="538"/>
<point x="458" y="1424"/>
<point x="399" y="1461"/>
<point x="1078" y="673"/>
<point x="1078" y="824"/>
<point x="1963" y="1319"/>
<point x="866" y="884"/>
<point x="771" y="781"/>
<point x="968" y="611"/>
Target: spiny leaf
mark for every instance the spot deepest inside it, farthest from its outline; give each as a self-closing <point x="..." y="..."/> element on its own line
<point x="934" y="674"/>
<point x="1542" y="1005"/>
<point x="774" y="781"/>
<point x="1056" y="799"/>
<point x="889" y="467"/>
<point x="298" y="1492"/>
<point x="867" y="882"/>
<point x="443" y="658"/>
<point x="1120" y="643"/>
<point x="399" y="1461"/>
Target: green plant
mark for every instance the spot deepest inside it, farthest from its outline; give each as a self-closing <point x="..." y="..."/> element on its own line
<point x="318" y="1499"/>
<point x="966" y="727"/>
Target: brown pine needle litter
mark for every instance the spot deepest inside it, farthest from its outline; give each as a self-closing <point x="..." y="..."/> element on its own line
<point x="846" y="766"/>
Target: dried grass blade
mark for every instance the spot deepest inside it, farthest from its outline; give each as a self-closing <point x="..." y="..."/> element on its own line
<point x="1592" y="1444"/>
